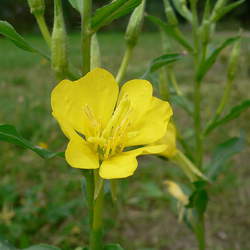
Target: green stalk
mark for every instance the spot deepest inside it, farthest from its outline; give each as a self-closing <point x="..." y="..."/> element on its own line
<point x="197" y="88"/>
<point x="86" y="35"/>
<point x="200" y="234"/>
<point x="96" y="235"/>
<point x="90" y="187"/>
<point x="43" y="28"/>
<point x="124" y="64"/>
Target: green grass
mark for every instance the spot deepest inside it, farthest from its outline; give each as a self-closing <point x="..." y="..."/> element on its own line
<point x="42" y="201"/>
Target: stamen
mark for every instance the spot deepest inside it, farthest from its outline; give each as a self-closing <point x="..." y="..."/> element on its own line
<point x="96" y="125"/>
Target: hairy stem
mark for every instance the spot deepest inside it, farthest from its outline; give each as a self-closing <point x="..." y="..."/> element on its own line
<point x="124" y="65"/>
<point x="97" y="223"/>
<point x="44" y="29"/>
<point x="86" y="35"/>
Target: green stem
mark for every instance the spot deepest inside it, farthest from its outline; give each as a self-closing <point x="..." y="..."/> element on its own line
<point x="96" y="235"/>
<point x="90" y="187"/>
<point x="124" y="65"/>
<point x="197" y="88"/>
<point x="197" y="124"/>
<point x="200" y="234"/>
<point x="86" y="35"/>
<point x="43" y="28"/>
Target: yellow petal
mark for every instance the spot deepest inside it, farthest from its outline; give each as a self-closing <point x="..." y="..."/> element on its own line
<point x="169" y="140"/>
<point x="152" y="125"/>
<point x="124" y="164"/>
<point x="97" y="91"/>
<point x="139" y="93"/>
<point x="80" y="155"/>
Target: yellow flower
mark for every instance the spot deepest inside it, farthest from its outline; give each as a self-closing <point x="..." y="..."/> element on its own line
<point x="170" y="140"/>
<point x="102" y="123"/>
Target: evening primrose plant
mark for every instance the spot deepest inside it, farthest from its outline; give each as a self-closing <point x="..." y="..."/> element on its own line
<point x="109" y="123"/>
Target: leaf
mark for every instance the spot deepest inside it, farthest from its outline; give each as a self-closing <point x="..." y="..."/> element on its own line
<point x="8" y="133"/>
<point x="42" y="247"/>
<point x="199" y="198"/>
<point x="224" y="10"/>
<point x="182" y="102"/>
<point x="113" y="247"/>
<point x="183" y="10"/>
<point x="233" y="114"/>
<point x="112" y="11"/>
<point x="223" y="152"/>
<point x="7" y="30"/>
<point x="171" y="31"/>
<point x="77" y="4"/>
<point x="161" y="61"/>
<point x="209" y="62"/>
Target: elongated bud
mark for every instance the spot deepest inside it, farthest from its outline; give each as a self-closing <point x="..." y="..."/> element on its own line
<point x="170" y="13"/>
<point x="59" y="58"/>
<point x="216" y="11"/>
<point x="205" y="31"/>
<point x="181" y="7"/>
<point x="135" y="24"/>
<point x="37" y="7"/>
<point x="95" y="53"/>
<point x="233" y="60"/>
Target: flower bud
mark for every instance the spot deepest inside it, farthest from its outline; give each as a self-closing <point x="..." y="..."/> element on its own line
<point x="205" y="31"/>
<point x="59" y="58"/>
<point x="233" y="60"/>
<point x="95" y="53"/>
<point x="135" y="24"/>
<point x="170" y="13"/>
<point x="37" y="7"/>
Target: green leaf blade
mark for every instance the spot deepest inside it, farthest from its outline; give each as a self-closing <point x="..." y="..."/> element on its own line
<point x="209" y="62"/>
<point x="77" y="4"/>
<point x="171" y="31"/>
<point x="8" y="133"/>
<point x="8" y="31"/>
<point x="223" y="152"/>
<point x="234" y="113"/>
<point x="112" y="11"/>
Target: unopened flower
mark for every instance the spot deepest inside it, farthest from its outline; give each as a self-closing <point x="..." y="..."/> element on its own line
<point x="103" y="124"/>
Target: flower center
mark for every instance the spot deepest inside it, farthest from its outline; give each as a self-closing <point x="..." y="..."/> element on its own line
<point x="110" y="140"/>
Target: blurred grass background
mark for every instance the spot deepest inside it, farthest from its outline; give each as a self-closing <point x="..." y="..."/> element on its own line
<point x="41" y="201"/>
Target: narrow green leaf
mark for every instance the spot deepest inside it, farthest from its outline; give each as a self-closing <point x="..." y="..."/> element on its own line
<point x="171" y="31"/>
<point x="199" y="198"/>
<point x="161" y="61"/>
<point x="222" y="153"/>
<point x="182" y="102"/>
<point x="8" y="133"/>
<point x="183" y="10"/>
<point x="42" y="247"/>
<point x="112" y="11"/>
<point x="226" y="9"/>
<point x="233" y="114"/>
<point x="7" y="30"/>
<point x="77" y="4"/>
<point x="209" y="62"/>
